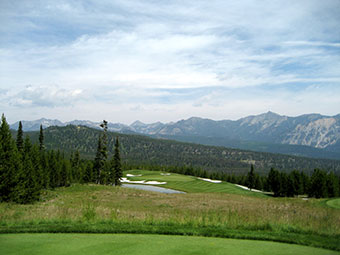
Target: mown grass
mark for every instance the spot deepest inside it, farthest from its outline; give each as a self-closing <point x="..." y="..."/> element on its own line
<point x="334" y="203"/>
<point x="74" y="244"/>
<point x="190" y="184"/>
<point x="106" y="209"/>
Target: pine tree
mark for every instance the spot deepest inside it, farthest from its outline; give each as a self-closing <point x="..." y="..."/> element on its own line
<point x="98" y="162"/>
<point x="305" y="182"/>
<point x="64" y="173"/>
<point x="118" y="173"/>
<point x="45" y="169"/>
<point x="37" y="167"/>
<point x="41" y="139"/>
<point x="332" y="185"/>
<point x="101" y="155"/>
<point x="88" y="175"/>
<point x="10" y="162"/>
<point x="27" y="189"/>
<point x="251" y="178"/>
<point x="297" y="187"/>
<point x="20" y="140"/>
<point x="274" y="182"/>
<point x="75" y="163"/>
<point x="318" y="186"/>
<point x="53" y="170"/>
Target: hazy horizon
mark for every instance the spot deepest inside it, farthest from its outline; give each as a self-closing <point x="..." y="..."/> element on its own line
<point x="129" y="124"/>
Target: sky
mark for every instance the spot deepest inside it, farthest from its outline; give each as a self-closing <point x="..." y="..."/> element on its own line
<point x="156" y="60"/>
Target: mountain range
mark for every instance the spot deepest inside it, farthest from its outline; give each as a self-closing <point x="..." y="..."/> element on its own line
<point x="147" y="152"/>
<point x="311" y="135"/>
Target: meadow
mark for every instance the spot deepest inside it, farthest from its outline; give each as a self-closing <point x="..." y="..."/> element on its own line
<point x="208" y="209"/>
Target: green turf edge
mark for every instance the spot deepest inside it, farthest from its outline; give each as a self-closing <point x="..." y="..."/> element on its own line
<point x="333" y="203"/>
<point x="308" y="239"/>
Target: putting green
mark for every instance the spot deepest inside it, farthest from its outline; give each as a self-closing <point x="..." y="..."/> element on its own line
<point x="335" y="203"/>
<point x="129" y="244"/>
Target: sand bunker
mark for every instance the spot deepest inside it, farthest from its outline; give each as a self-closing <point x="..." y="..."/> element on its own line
<point x="209" y="180"/>
<point x="154" y="182"/>
<point x="246" y="188"/>
<point x="125" y="180"/>
<point x="131" y="175"/>
<point x="165" y="174"/>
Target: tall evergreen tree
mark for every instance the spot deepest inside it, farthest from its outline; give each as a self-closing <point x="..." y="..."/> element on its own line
<point x="118" y="173"/>
<point x="318" y="186"/>
<point x="332" y="185"/>
<point x="37" y="167"/>
<point x="88" y="175"/>
<point x="297" y="187"/>
<point x="20" y="139"/>
<point x="274" y="181"/>
<point x="45" y="169"/>
<point x="75" y="163"/>
<point x="101" y="155"/>
<point x="10" y="162"/>
<point x="64" y="173"/>
<point x="251" y="178"/>
<point x="41" y="139"/>
<point x="53" y="170"/>
<point x="98" y="162"/>
<point x="27" y="189"/>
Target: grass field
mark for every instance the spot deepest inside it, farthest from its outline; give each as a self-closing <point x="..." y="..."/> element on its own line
<point x="128" y="244"/>
<point x="236" y="214"/>
<point x="189" y="184"/>
<point x="334" y="203"/>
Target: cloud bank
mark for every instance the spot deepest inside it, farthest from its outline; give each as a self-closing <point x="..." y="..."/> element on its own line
<point x="128" y="60"/>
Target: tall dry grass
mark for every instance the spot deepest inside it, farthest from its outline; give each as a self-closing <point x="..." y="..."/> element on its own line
<point x="97" y="203"/>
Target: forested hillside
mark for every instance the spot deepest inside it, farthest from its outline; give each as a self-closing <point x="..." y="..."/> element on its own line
<point x="139" y="150"/>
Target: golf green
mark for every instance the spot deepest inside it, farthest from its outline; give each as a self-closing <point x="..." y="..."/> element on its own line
<point x="143" y="244"/>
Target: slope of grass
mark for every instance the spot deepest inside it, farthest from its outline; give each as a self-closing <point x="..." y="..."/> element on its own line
<point x="107" y="209"/>
<point x="188" y="183"/>
<point x="334" y="203"/>
<point x="74" y="244"/>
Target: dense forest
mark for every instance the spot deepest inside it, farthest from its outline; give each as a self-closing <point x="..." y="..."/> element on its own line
<point x="137" y="150"/>
<point x="26" y="168"/>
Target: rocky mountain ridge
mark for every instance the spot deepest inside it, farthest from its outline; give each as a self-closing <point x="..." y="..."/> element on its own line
<point x="312" y="130"/>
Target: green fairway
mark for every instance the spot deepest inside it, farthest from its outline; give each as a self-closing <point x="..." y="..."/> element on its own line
<point x="335" y="203"/>
<point x="142" y="244"/>
<point x="190" y="184"/>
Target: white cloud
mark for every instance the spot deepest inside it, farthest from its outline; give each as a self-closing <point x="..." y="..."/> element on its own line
<point x="48" y="96"/>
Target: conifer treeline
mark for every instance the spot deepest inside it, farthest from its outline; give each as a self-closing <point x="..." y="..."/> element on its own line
<point x="27" y="169"/>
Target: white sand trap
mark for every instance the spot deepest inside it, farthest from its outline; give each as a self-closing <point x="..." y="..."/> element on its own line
<point x="155" y="182"/>
<point x="131" y="175"/>
<point x="167" y="174"/>
<point x="128" y="181"/>
<point x="246" y="188"/>
<point x="125" y="180"/>
<point x="209" y="180"/>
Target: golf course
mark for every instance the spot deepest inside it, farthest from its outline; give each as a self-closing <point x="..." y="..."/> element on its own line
<point x="211" y="217"/>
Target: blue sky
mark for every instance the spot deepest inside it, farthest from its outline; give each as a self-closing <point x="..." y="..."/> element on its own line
<point x="168" y="60"/>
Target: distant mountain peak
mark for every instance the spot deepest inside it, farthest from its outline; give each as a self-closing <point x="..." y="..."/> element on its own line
<point x="137" y="123"/>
